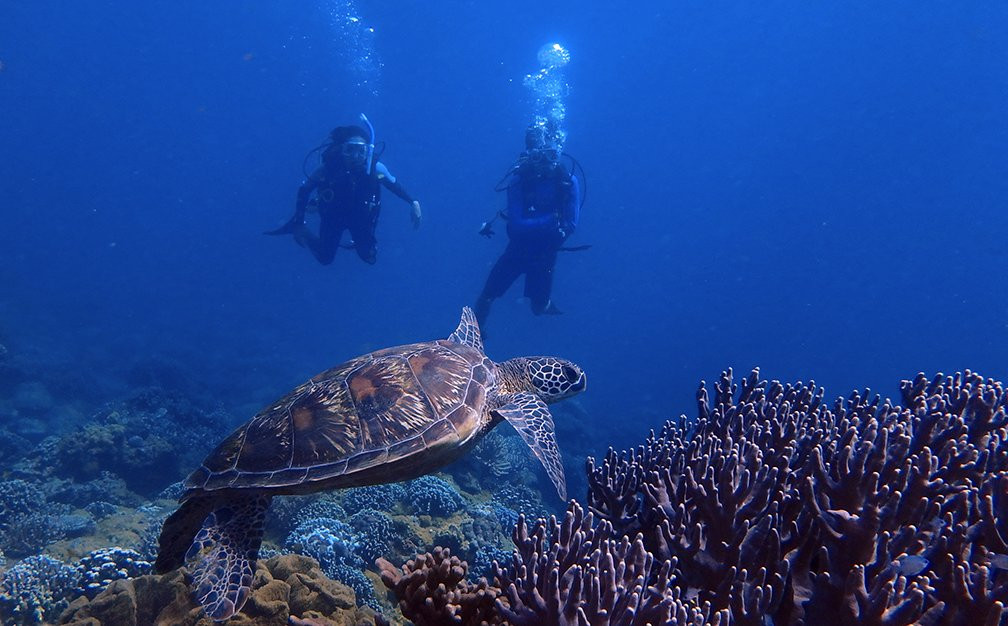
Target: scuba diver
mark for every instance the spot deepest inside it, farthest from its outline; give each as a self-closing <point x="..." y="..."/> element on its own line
<point x="543" y="206"/>
<point x="347" y="194"/>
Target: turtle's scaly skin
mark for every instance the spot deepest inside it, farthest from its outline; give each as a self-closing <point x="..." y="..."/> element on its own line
<point x="386" y="416"/>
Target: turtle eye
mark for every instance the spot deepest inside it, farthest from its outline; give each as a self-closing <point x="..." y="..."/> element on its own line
<point x="570" y="373"/>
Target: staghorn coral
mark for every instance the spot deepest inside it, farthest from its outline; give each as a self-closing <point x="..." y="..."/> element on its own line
<point x="574" y="572"/>
<point x="775" y="504"/>
<point x="432" y="590"/>
<point x="772" y="507"/>
<point x="568" y="572"/>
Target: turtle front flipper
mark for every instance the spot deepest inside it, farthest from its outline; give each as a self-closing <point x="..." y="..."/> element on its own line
<point x="531" y="418"/>
<point x="223" y="554"/>
<point x="468" y="332"/>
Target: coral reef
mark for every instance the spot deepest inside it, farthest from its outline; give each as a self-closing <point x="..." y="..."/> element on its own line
<point x="99" y="509"/>
<point x="432" y="590"/>
<point x="322" y="507"/>
<point x="99" y="568"/>
<point x="376" y="533"/>
<point x="382" y="497"/>
<point x="35" y="589"/>
<point x="502" y="453"/>
<point x="146" y="441"/>
<point x="30" y="522"/>
<point x="431" y="495"/>
<point x="329" y="541"/>
<point x="866" y="513"/>
<point x="770" y="507"/>
<point x="35" y="531"/>
<point x="520" y="499"/>
<point x="285" y="590"/>
<point x="334" y="545"/>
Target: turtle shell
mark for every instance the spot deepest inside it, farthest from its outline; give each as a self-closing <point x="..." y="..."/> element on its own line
<point x="385" y="416"/>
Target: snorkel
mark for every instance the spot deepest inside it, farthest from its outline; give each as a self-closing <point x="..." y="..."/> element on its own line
<point x="371" y="143"/>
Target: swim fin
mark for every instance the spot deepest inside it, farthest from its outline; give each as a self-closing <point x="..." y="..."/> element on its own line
<point x="293" y="226"/>
<point x="552" y="309"/>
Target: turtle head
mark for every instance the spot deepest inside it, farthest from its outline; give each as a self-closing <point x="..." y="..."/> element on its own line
<point x="551" y="378"/>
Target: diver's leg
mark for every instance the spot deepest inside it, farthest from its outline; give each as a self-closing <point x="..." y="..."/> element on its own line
<point x="539" y="283"/>
<point x="365" y="242"/>
<point x="503" y="274"/>
<point x="324" y="246"/>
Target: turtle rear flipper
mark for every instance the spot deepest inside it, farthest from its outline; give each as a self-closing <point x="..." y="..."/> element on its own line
<point x="532" y="419"/>
<point x="223" y="554"/>
<point x="178" y="532"/>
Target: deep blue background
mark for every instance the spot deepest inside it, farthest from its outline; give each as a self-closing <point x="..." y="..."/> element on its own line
<point x="815" y="188"/>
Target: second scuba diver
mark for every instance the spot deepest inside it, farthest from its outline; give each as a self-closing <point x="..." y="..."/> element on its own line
<point x="347" y="192"/>
<point x="543" y="208"/>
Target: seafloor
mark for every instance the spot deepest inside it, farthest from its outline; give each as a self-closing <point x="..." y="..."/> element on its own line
<point x="776" y="504"/>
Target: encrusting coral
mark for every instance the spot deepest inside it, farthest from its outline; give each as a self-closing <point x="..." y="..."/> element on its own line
<point x="771" y="507"/>
<point x="286" y="590"/>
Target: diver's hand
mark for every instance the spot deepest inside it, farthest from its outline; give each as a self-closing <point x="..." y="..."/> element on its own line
<point x="486" y="229"/>
<point x="415" y="214"/>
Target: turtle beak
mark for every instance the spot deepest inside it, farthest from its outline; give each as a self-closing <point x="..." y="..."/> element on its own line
<point x="580" y="385"/>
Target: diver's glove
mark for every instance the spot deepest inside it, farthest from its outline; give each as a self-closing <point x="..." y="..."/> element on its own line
<point x="416" y="215"/>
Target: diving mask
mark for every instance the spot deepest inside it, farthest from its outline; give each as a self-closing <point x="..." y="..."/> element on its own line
<point x="543" y="155"/>
<point x="355" y="150"/>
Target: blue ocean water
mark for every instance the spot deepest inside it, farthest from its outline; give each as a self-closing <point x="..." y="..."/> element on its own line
<point x="814" y="189"/>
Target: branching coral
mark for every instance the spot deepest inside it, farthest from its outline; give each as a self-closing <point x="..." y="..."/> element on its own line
<point x="432" y="590"/>
<point x="771" y="506"/>
<point x="864" y="513"/>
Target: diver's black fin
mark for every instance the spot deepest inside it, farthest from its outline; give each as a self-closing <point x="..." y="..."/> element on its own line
<point x="292" y="226"/>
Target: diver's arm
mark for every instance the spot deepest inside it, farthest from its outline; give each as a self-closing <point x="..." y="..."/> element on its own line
<point x="523" y="222"/>
<point x="303" y="195"/>
<point x="571" y="213"/>
<point x="391" y="183"/>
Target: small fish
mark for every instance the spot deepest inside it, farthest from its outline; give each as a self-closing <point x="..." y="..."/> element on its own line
<point x="912" y="564"/>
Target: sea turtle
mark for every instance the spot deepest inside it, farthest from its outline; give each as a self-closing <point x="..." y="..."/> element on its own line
<point x="387" y="416"/>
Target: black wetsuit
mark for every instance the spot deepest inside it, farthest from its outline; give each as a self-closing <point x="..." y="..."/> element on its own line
<point x="543" y="210"/>
<point x="348" y="199"/>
